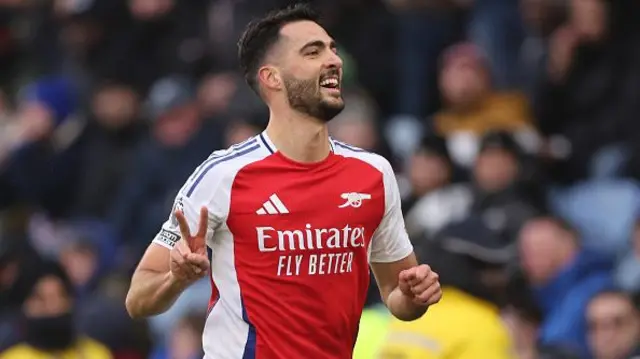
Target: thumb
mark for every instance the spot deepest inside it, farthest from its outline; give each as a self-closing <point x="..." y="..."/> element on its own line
<point x="406" y="275"/>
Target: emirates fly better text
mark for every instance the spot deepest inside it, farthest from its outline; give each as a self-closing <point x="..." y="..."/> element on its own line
<point x="341" y="242"/>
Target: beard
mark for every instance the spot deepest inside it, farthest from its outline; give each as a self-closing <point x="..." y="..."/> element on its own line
<point x="304" y="96"/>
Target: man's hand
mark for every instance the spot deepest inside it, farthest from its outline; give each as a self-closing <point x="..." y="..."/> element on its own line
<point x="420" y="284"/>
<point x="188" y="259"/>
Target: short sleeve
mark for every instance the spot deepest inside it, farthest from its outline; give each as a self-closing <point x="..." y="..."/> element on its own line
<point x="390" y="242"/>
<point x="169" y="233"/>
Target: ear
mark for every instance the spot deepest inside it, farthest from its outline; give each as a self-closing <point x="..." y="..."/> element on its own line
<point x="270" y="78"/>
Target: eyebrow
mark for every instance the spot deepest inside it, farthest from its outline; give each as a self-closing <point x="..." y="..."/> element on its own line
<point x="318" y="43"/>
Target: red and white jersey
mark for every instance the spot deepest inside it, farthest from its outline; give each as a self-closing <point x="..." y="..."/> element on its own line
<point x="290" y="245"/>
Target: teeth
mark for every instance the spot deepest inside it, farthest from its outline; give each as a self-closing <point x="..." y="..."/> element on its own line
<point x="331" y="81"/>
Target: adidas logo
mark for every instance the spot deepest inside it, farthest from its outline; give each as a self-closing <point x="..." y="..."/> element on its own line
<point x="273" y="206"/>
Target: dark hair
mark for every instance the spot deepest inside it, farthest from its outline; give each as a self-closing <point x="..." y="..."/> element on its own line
<point x="51" y="268"/>
<point x="262" y="33"/>
<point x="617" y="292"/>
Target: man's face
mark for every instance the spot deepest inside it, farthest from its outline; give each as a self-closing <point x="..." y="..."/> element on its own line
<point x="614" y="326"/>
<point x="589" y="18"/>
<point x="495" y="170"/>
<point x="463" y="82"/>
<point x="427" y="172"/>
<point x="311" y="70"/>
<point x="541" y="244"/>
<point x="115" y="106"/>
<point x="48" y="299"/>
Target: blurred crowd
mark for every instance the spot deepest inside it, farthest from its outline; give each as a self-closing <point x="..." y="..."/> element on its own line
<point x="511" y="124"/>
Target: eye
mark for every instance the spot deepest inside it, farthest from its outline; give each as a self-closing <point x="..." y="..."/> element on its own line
<point x="314" y="52"/>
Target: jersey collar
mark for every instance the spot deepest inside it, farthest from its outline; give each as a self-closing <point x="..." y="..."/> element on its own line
<point x="266" y="142"/>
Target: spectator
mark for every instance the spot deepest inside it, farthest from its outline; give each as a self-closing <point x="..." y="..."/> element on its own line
<point x="524" y="319"/>
<point x="474" y="281"/>
<point x="113" y="135"/>
<point x="628" y="270"/>
<point x="81" y="262"/>
<point x="613" y="320"/>
<point x="242" y="128"/>
<point x="586" y="99"/>
<point x="357" y="124"/>
<point x="48" y="319"/>
<point x="429" y="169"/>
<point x="564" y="277"/>
<point x="425" y="27"/>
<point x="46" y="147"/>
<point x="185" y="339"/>
<point x="19" y="263"/>
<point x="125" y="337"/>
<point x="472" y="107"/>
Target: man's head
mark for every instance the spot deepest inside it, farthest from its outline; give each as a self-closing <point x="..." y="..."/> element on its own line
<point x="171" y="104"/>
<point x="614" y="325"/>
<point x="290" y="60"/>
<point x="589" y="18"/>
<point x="430" y="166"/>
<point x="115" y="105"/>
<point x="356" y="125"/>
<point x="464" y="76"/>
<point x="48" y="309"/>
<point x="547" y="245"/>
<point x="497" y="165"/>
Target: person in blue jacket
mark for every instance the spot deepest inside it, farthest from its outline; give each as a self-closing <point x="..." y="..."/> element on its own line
<point x="564" y="277"/>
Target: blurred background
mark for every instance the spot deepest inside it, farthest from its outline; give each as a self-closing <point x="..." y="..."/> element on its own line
<point x="512" y="125"/>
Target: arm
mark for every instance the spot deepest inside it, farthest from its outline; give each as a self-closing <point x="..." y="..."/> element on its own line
<point x="400" y="305"/>
<point x="153" y="287"/>
<point x="407" y="289"/>
<point x="172" y="262"/>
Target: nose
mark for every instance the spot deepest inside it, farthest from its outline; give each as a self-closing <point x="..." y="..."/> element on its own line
<point x="334" y="61"/>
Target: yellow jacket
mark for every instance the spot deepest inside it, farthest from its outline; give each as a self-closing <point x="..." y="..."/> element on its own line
<point x="84" y="349"/>
<point x="374" y="324"/>
<point x="499" y="111"/>
<point x="459" y="327"/>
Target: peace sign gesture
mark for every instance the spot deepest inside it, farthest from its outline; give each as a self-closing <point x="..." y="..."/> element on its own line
<point x="188" y="259"/>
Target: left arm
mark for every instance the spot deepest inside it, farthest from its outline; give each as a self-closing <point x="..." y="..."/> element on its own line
<point x="399" y="304"/>
<point x="407" y="288"/>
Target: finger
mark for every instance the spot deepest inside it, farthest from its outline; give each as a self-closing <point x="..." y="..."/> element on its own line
<point x="184" y="226"/>
<point x="182" y="247"/>
<point x="430" y="296"/>
<point x="177" y="257"/>
<point x="424" y="285"/>
<point x="425" y="277"/>
<point x="422" y="272"/>
<point x="407" y="275"/>
<point x="191" y="271"/>
<point x="204" y="222"/>
<point x="199" y="261"/>
<point x="182" y="265"/>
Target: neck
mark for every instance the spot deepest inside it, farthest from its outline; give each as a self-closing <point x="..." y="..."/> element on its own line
<point x="299" y="137"/>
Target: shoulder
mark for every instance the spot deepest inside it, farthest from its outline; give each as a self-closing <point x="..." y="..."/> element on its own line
<point x="19" y="351"/>
<point x="373" y="159"/>
<point x="94" y="349"/>
<point x="221" y="167"/>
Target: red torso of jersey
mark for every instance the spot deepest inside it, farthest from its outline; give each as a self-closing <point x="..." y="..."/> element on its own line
<point x="308" y="266"/>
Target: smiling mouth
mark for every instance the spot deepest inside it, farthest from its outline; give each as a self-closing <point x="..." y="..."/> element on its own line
<point x="330" y="83"/>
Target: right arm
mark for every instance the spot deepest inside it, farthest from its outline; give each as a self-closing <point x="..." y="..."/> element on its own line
<point x="172" y="262"/>
<point x="153" y="287"/>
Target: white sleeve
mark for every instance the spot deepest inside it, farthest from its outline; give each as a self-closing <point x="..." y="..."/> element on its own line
<point x="169" y="233"/>
<point x="390" y="242"/>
